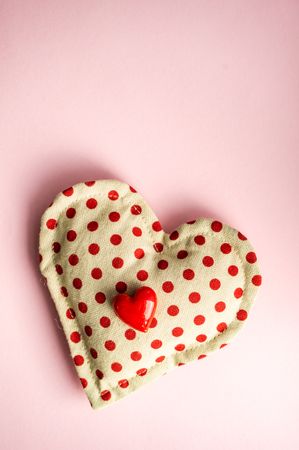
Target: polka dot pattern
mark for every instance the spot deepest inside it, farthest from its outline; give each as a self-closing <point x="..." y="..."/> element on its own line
<point x="103" y="239"/>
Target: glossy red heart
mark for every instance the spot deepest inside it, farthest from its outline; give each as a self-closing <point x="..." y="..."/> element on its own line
<point x="137" y="311"/>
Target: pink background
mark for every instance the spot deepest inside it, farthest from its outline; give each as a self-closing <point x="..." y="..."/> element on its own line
<point x="196" y="104"/>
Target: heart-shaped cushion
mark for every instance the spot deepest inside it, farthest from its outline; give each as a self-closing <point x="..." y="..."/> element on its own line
<point x="100" y="238"/>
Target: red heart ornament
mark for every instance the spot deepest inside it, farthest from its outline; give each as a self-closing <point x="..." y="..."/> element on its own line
<point x="137" y="311"/>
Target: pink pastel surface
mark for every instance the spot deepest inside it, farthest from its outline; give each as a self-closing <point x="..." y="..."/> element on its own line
<point x="196" y="104"/>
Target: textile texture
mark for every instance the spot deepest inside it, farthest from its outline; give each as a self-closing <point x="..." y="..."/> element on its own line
<point x="100" y="238"/>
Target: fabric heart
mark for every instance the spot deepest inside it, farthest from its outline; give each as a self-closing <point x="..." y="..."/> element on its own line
<point x="137" y="311"/>
<point x="99" y="239"/>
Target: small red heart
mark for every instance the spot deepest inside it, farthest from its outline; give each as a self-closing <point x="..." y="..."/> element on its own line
<point x="137" y="311"/>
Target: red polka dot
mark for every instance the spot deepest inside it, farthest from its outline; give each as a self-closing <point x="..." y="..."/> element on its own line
<point x="99" y="374"/>
<point x="139" y="253"/>
<point x="115" y="239"/>
<point x="92" y="226"/>
<point x="182" y="254"/>
<point x="199" y="320"/>
<point x="73" y="260"/>
<point x="201" y="338"/>
<point x="114" y="216"/>
<point x="156" y="343"/>
<point x="180" y="347"/>
<point x="64" y="291"/>
<point x="199" y="240"/>
<point x="93" y="353"/>
<point x="156" y="226"/>
<point x="93" y="249"/>
<point x="100" y="297"/>
<point x="220" y="306"/>
<point x="82" y="307"/>
<point x="167" y="286"/>
<point x="106" y="395"/>
<point x="141" y="372"/>
<point x="91" y="203"/>
<point x="121" y="287"/>
<point x="105" y="322"/>
<point x="173" y="310"/>
<point x="215" y="284"/>
<point x="68" y="192"/>
<point x="113" y="195"/>
<point x="242" y="314"/>
<point x="78" y="360"/>
<point x="88" y="330"/>
<point x="123" y="383"/>
<point x="116" y="367"/>
<point x="117" y="263"/>
<point x="162" y="264"/>
<point x="238" y="292"/>
<point x="130" y="334"/>
<point x="89" y="183"/>
<point x="70" y="313"/>
<point x="221" y="327"/>
<point x="96" y="273"/>
<point x="160" y="358"/>
<point x="83" y="382"/>
<point x="132" y="189"/>
<point x="242" y="237"/>
<point x="70" y="213"/>
<point x="177" y="331"/>
<point x="136" y="209"/>
<point x="202" y="356"/>
<point x="137" y="231"/>
<point x="233" y="270"/>
<point x="51" y="224"/>
<point x="110" y="345"/>
<point x="174" y="235"/>
<point x="75" y="337"/>
<point x="251" y="257"/>
<point x="223" y="345"/>
<point x="77" y="283"/>
<point x="216" y="226"/>
<point x="158" y="247"/>
<point x="136" y="356"/>
<point x="59" y="269"/>
<point x="153" y="323"/>
<point x="226" y="248"/>
<point x="257" y="280"/>
<point x="71" y="235"/>
<point x="207" y="261"/>
<point x="194" y="297"/>
<point x="56" y="247"/>
<point x="188" y="274"/>
<point x="142" y="275"/>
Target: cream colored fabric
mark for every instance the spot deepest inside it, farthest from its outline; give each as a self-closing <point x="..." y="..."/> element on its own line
<point x="99" y="237"/>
